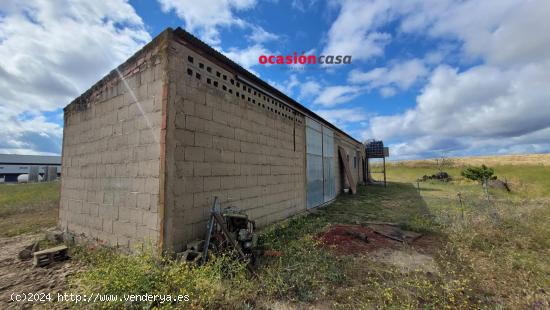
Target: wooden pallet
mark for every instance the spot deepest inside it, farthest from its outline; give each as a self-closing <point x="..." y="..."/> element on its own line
<point x="48" y="256"/>
<point x="347" y="170"/>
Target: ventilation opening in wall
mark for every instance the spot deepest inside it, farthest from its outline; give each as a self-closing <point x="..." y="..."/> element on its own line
<point x="190" y="59"/>
<point x="189" y="72"/>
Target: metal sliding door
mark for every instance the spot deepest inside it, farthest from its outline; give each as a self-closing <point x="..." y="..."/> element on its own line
<point x="314" y="163"/>
<point x="320" y="164"/>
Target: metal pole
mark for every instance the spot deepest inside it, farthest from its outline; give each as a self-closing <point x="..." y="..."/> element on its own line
<point x="209" y="231"/>
<point x="384" y="161"/>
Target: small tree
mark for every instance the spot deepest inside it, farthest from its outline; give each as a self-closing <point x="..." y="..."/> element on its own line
<point x="443" y="163"/>
<point x="479" y="174"/>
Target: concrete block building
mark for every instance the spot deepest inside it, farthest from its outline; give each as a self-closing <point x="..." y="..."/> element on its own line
<point x="148" y="147"/>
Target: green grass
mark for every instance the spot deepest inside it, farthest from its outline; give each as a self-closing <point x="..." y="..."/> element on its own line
<point x="504" y="242"/>
<point x="28" y="208"/>
<point x="527" y="181"/>
<point x="488" y="253"/>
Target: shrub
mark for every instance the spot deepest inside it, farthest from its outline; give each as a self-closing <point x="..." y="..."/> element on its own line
<point x="479" y="174"/>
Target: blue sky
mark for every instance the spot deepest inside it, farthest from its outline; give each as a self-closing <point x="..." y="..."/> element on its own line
<point x="430" y="77"/>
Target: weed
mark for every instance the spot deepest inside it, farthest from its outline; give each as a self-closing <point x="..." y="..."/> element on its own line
<point x="28" y="208"/>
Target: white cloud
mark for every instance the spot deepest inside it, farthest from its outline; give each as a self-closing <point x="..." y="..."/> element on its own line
<point x="205" y="19"/>
<point x="400" y="75"/>
<point x="499" y="105"/>
<point x="343" y="117"/>
<point x="483" y="103"/>
<point x="501" y="32"/>
<point x="260" y="35"/>
<point x="207" y="16"/>
<point x="49" y="53"/>
<point x="293" y="87"/>
<point x="303" y="5"/>
<point x="291" y="83"/>
<point x="334" y="95"/>
<point x="309" y="89"/>
<point x="354" y="32"/>
<point x="248" y="56"/>
<point x="387" y="91"/>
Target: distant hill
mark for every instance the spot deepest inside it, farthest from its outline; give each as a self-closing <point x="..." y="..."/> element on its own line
<point x="513" y="160"/>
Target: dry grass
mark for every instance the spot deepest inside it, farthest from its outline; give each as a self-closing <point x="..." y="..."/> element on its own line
<point x="503" y="160"/>
<point x="481" y="254"/>
<point x="28" y="208"/>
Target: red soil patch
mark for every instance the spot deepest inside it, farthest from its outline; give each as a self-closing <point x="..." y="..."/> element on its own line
<point x="339" y="239"/>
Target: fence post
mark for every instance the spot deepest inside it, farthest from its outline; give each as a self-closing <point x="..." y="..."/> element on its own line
<point x="485" y="188"/>
<point x="461" y="205"/>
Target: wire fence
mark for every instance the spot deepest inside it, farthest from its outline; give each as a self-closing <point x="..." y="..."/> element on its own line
<point x="460" y="210"/>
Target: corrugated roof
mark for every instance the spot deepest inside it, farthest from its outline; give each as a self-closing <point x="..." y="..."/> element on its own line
<point x="16" y="159"/>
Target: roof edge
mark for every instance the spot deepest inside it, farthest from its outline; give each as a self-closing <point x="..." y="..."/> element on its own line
<point x="114" y="74"/>
<point x="188" y="37"/>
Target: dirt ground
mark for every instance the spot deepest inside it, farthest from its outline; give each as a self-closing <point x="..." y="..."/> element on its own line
<point x="343" y="240"/>
<point x="346" y="240"/>
<point x="17" y="276"/>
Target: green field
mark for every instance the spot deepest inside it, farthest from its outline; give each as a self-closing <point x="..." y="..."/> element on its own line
<point x="28" y="208"/>
<point x="529" y="181"/>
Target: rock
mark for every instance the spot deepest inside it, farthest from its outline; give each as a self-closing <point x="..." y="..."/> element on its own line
<point x="54" y="235"/>
<point x="440" y="176"/>
<point x="498" y="184"/>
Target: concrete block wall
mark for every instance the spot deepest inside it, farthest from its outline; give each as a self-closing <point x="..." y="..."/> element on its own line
<point x="110" y="163"/>
<point x="144" y="156"/>
<point x="228" y="140"/>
